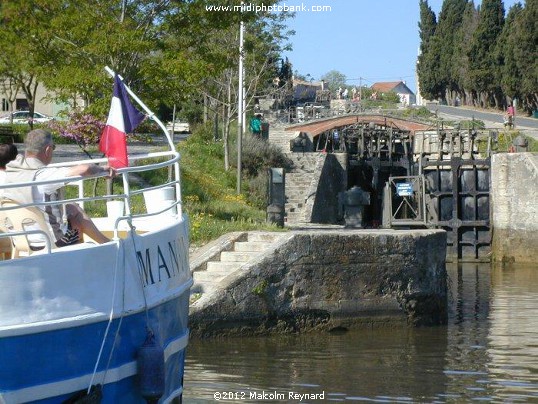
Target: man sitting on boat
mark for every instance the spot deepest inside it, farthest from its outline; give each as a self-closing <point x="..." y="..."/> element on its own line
<point x="66" y="226"/>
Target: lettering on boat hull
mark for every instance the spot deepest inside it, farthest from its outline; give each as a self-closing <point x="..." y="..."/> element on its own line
<point x="160" y="261"/>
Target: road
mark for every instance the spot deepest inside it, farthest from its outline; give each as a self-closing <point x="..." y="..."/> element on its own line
<point x="72" y="152"/>
<point x="528" y="126"/>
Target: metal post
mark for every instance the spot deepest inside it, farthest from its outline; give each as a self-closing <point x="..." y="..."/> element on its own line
<point x="240" y="108"/>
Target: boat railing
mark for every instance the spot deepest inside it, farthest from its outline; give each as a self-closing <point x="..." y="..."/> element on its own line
<point x="149" y="162"/>
<point x="157" y="160"/>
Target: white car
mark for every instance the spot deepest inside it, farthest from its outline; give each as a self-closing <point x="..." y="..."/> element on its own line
<point x="178" y="127"/>
<point x="24" y="117"/>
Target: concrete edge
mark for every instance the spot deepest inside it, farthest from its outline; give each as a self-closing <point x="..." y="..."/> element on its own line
<point x="239" y="275"/>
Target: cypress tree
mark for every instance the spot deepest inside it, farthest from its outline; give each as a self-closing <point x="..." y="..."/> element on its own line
<point x="508" y="73"/>
<point x="482" y="56"/>
<point x="450" y="20"/>
<point x="461" y="51"/>
<point x="427" y="65"/>
<point x="526" y="55"/>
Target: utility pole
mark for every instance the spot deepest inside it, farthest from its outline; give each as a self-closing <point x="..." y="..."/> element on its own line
<point x="240" y="106"/>
<point x="360" y="92"/>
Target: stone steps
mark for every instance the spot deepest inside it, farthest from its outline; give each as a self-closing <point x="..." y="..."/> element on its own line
<point x="250" y="246"/>
<point x="234" y="256"/>
<point x="227" y="262"/>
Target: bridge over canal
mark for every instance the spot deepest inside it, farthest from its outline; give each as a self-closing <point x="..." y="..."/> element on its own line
<point x="447" y="176"/>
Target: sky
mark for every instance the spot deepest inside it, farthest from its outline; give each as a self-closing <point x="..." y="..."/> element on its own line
<point x="368" y="41"/>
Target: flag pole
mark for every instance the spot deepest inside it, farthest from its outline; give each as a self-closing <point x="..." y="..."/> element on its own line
<point x="145" y="108"/>
<point x="168" y="138"/>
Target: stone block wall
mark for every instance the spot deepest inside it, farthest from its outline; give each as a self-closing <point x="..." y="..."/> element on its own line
<point x="514" y="201"/>
<point x="330" y="279"/>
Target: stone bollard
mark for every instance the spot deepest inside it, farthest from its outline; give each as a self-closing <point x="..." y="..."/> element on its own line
<point x="520" y="144"/>
<point x="354" y="201"/>
<point x="275" y="214"/>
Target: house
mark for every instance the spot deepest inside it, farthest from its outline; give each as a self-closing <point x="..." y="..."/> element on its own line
<point x="305" y="91"/>
<point x="42" y="104"/>
<point x="407" y="97"/>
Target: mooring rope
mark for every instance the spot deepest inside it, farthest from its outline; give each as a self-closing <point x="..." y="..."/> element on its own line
<point x="119" y="323"/>
<point x="111" y="315"/>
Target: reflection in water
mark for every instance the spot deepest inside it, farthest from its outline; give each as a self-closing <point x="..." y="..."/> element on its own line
<point x="513" y="332"/>
<point x="489" y="351"/>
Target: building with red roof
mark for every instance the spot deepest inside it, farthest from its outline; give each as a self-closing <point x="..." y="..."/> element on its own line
<point x="407" y="97"/>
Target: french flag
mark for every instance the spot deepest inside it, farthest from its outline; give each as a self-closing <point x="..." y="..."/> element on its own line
<point x="123" y="118"/>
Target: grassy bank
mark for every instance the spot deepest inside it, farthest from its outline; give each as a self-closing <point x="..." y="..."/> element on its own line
<point x="209" y="191"/>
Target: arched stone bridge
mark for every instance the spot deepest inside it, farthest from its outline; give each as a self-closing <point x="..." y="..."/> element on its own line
<point x="312" y="129"/>
<point x="319" y="126"/>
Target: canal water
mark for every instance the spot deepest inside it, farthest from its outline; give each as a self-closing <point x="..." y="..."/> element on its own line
<point x="487" y="352"/>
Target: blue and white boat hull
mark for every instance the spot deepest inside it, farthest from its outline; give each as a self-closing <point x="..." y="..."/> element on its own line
<point x="76" y="317"/>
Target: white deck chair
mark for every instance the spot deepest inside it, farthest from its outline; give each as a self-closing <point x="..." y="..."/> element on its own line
<point x="17" y="220"/>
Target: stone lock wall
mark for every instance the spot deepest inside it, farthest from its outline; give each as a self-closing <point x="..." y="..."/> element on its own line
<point x="329" y="280"/>
<point x="514" y="199"/>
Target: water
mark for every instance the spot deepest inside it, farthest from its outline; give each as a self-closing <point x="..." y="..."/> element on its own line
<point x="487" y="352"/>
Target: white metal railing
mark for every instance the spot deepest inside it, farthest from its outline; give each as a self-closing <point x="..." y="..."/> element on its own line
<point x="125" y="195"/>
<point x="173" y="158"/>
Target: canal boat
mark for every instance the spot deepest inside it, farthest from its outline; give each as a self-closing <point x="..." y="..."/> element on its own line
<point x="99" y="322"/>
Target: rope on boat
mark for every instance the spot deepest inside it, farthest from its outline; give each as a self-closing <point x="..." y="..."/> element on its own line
<point x="119" y="323"/>
<point x="111" y="316"/>
<point x="133" y="231"/>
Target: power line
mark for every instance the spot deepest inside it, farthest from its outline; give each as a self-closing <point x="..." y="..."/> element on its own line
<point x="370" y="79"/>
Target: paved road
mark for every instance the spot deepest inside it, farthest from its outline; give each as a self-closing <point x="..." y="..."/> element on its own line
<point x="72" y="152"/>
<point x="492" y="119"/>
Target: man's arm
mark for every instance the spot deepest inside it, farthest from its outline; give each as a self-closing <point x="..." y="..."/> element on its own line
<point x="85" y="170"/>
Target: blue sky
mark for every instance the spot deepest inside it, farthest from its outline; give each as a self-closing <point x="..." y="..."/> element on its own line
<point x="375" y="39"/>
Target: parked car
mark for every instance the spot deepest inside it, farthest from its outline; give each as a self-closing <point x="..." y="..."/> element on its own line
<point x="178" y="127"/>
<point x="24" y="117"/>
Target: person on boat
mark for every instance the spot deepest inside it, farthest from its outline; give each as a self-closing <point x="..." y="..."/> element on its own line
<point x="66" y="225"/>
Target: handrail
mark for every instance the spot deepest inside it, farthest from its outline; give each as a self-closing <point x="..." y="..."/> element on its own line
<point x="172" y="160"/>
<point x="134" y="169"/>
<point x="126" y="195"/>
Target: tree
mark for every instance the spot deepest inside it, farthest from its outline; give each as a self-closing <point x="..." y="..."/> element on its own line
<point x="450" y="20"/>
<point x="24" y="44"/>
<point x="265" y="38"/>
<point x="10" y="88"/>
<point x="427" y="66"/>
<point x="481" y="53"/>
<point x="65" y="45"/>
<point x="508" y="73"/>
<point x="462" y="41"/>
<point x="479" y="56"/>
<point x="334" y="80"/>
<point x="526" y="55"/>
<point x="158" y="46"/>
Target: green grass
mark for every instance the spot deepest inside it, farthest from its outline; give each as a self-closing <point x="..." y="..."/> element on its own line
<point x="507" y="137"/>
<point x="209" y="192"/>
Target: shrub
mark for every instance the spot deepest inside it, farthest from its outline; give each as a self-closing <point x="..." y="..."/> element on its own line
<point x="258" y="155"/>
<point x="81" y="128"/>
